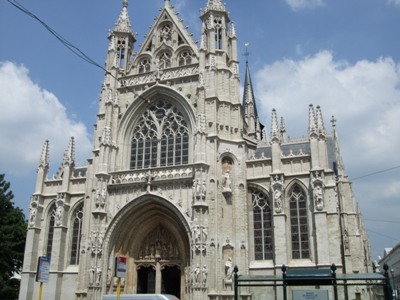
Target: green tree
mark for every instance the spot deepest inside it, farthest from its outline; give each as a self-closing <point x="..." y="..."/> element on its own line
<point x="12" y="242"/>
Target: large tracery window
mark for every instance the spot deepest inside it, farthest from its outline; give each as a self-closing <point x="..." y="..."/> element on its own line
<point x="262" y="222"/>
<point x="299" y="224"/>
<point x="50" y="230"/>
<point x="76" y="235"/>
<point x="160" y="138"/>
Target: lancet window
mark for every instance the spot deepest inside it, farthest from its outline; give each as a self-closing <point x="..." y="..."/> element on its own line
<point x="50" y="229"/>
<point x="76" y="235"/>
<point x="160" y="137"/>
<point x="218" y="33"/>
<point x="185" y="58"/>
<point x="164" y="60"/>
<point x="262" y="223"/>
<point x="121" y="54"/>
<point x="299" y="223"/>
<point x="144" y="66"/>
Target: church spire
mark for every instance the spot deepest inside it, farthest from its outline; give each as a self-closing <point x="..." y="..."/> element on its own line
<point x="275" y="134"/>
<point x="123" y="23"/>
<point x="69" y="155"/>
<point x="312" y="125"/>
<point x="249" y="103"/>
<point x="320" y="123"/>
<point x="44" y="157"/>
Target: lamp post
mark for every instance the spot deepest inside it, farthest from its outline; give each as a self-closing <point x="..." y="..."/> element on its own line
<point x="394" y="291"/>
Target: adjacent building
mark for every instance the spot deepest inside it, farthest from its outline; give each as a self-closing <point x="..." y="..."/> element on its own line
<point x="185" y="181"/>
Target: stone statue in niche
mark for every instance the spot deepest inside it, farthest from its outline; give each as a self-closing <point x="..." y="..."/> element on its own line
<point x="226" y="182"/>
<point x="228" y="270"/>
<point x="204" y="273"/>
<point x="318" y="197"/>
<point x="278" y="201"/>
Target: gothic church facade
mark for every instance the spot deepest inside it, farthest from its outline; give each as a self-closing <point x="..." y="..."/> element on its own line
<point x="183" y="181"/>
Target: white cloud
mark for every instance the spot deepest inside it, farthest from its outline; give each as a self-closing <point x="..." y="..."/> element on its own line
<point x="297" y="5"/>
<point x="28" y="117"/>
<point x="394" y="2"/>
<point x="364" y="97"/>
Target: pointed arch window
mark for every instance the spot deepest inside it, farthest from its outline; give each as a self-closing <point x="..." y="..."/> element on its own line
<point x="160" y="137"/>
<point x="76" y="235"/>
<point x="121" y="54"/>
<point x="144" y="66"/>
<point x="164" y="61"/>
<point x="50" y="230"/>
<point x="299" y="223"/>
<point x="218" y="33"/>
<point x="262" y="224"/>
<point x="185" y="58"/>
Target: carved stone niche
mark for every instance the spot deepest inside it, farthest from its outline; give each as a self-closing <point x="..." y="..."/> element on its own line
<point x="318" y="187"/>
<point x="277" y="190"/>
<point x="227" y="254"/>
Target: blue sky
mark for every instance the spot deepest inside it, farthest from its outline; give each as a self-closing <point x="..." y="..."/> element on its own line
<point x="341" y="54"/>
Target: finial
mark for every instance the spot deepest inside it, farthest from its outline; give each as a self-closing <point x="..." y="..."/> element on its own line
<point x="166" y="3"/>
<point x="125" y="4"/>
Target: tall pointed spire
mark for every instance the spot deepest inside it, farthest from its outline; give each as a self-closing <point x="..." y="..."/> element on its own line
<point x="275" y="135"/>
<point x="320" y="123"/>
<point x="249" y="103"/>
<point x="312" y="125"/>
<point x="44" y="157"/>
<point x="123" y="23"/>
<point x="69" y="155"/>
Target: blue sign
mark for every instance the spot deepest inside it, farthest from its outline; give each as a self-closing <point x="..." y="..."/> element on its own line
<point x="43" y="269"/>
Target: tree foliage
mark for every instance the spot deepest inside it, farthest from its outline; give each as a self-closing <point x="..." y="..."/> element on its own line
<point x="12" y="241"/>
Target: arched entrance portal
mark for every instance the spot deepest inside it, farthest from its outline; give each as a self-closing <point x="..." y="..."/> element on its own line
<point x="158" y="263"/>
<point x="154" y="237"/>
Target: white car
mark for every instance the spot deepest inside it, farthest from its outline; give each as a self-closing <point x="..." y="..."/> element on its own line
<point x="141" y="297"/>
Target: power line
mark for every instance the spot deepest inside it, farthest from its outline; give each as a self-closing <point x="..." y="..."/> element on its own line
<point x="58" y="36"/>
<point x="374" y="173"/>
<point x="383" y="221"/>
<point x="384" y="235"/>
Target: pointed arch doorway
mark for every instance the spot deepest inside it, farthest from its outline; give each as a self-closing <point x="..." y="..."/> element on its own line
<point x="154" y="236"/>
<point x="159" y="263"/>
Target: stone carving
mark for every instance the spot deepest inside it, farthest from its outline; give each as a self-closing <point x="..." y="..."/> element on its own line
<point x="204" y="273"/>
<point x="96" y="242"/>
<point x="60" y="209"/>
<point x="92" y="273"/>
<point x="98" y="276"/>
<point x="106" y="136"/>
<point x="317" y="184"/>
<point x="318" y="197"/>
<point x="226" y="182"/>
<point x="33" y="211"/>
<point x="278" y="201"/>
<point x="100" y="197"/>
<point x="196" y="276"/>
<point x="277" y="192"/>
<point x="201" y="123"/>
<point x="159" y="244"/>
<point x="228" y="271"/>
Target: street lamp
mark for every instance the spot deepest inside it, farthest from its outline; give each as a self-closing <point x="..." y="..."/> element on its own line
<point x="394" y="294"/>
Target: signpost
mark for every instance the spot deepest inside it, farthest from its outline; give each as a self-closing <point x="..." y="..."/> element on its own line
<point x="42" y="274"/>
<point x="120" y="272"/>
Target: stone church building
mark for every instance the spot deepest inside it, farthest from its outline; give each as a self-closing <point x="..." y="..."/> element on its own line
<point x="186" y="182"/>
